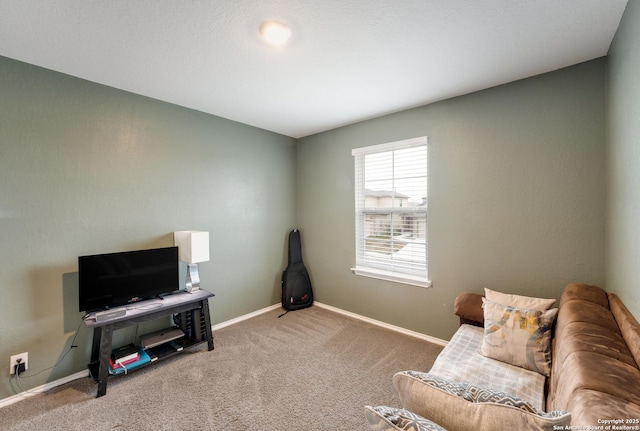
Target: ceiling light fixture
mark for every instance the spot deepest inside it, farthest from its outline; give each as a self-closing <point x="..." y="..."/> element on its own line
<point x="275" y="33"/>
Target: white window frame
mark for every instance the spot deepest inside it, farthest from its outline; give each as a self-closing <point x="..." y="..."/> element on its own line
<point x="378" y="270"/>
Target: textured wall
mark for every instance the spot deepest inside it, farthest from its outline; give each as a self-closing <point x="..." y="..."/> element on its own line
<point x="623" y="161"/>
<point x="516" y="197"/>
<point x="88" y="169"/>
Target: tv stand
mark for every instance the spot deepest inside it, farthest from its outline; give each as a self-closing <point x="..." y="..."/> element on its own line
<point x="190" y="307"/>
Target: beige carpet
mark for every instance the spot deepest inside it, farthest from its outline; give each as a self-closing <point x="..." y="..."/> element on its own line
<point x="312" y="369"/>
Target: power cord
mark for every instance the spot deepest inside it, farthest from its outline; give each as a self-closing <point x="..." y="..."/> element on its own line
<point x="19" y="375"/>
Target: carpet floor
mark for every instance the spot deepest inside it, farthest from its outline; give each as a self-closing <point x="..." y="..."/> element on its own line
<point x="312" y="369"/>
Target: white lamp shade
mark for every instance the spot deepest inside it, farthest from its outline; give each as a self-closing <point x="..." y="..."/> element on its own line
<point x="193" y="246"/>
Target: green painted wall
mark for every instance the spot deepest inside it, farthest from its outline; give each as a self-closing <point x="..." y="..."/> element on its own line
<point x="516" y="197"/>
<point x="623" y="161"/>
<point x="88" y="169"/>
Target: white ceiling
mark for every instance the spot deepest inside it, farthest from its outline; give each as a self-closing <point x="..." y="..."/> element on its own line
<point x="347" y="60"/>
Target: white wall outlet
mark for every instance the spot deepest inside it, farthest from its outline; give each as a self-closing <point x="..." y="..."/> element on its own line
<point x="24" y="359"/>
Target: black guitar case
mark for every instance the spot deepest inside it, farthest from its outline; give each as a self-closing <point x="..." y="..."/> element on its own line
<point x="296" y="286"/>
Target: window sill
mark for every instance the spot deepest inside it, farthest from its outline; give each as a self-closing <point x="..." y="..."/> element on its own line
<point x="392" y="276"/>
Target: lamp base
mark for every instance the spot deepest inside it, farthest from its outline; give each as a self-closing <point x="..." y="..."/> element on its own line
<point x="192" y="283"/>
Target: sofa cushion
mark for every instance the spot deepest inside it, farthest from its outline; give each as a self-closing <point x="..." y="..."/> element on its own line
<point x="521" y="337"/>
<point x="629" y="326"/>
<point x="595" y="357"/>
<point x="584" y="292"/>
<point x="461" y="361"/>
<point x="383" y="418"/>
<point x="593" y="408"/>
<point x="585" y="323"/>
<point x="589" y="337"/>
<point x="591" y="371"/>
<point x="584" y="337"/>
<point x="518" y="301"/>
<point x="580" y="310"/>
<point x="460" y="406"/>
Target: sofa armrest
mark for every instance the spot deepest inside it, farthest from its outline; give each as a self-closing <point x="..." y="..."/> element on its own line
<point x="468" y="306"/>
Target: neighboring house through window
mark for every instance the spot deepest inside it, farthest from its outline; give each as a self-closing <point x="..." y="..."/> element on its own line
<point x="391" y="211"/>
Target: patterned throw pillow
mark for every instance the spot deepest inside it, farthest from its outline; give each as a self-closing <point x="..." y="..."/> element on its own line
<point x="518" y="336"/>
<point x="518" y="301"/>
<point x="462" y="406"/>
<point x="383" y="418"/>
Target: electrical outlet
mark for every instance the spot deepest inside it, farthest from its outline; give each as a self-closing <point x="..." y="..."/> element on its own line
<point x="24" y="359"/>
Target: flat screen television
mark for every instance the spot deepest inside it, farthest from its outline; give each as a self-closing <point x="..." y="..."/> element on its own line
<point x="115" y="279"/>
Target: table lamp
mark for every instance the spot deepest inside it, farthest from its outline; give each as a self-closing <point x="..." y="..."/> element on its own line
<point x="193" y="247"/>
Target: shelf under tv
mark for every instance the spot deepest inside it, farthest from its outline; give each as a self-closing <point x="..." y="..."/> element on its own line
<point x="191" y="314"/>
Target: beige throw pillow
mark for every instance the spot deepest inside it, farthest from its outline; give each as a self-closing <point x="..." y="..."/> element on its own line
<point x="518" y="301"/>
<point x="518" y="336"/>
<point x="462" y="406"/>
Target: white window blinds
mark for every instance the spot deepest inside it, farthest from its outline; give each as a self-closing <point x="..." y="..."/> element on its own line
<point x="391" y="211"/>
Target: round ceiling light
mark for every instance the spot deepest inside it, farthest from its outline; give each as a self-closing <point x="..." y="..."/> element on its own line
<point x="274" y="32"/>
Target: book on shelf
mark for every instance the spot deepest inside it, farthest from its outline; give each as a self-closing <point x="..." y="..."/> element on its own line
<point x="114" y="365"/>
<point x="119" y="368"/>
<point x="125" y="354"/>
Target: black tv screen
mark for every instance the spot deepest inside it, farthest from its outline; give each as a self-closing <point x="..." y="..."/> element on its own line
<point x="115" y="279"/>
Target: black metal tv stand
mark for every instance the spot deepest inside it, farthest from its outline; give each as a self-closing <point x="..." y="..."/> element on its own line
<point x="191" y="308"/>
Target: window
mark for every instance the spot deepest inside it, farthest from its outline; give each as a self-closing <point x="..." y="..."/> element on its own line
<point x="391" y="211"/>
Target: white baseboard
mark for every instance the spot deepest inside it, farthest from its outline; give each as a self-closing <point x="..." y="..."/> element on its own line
<point x="47" y="386"/>
<point x="245" y="317"/>
<point x="399" y="329"/>
<point x="43" y="388"/>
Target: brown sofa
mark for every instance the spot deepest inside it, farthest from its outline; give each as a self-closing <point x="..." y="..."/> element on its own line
<point x="595" y="371"/>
